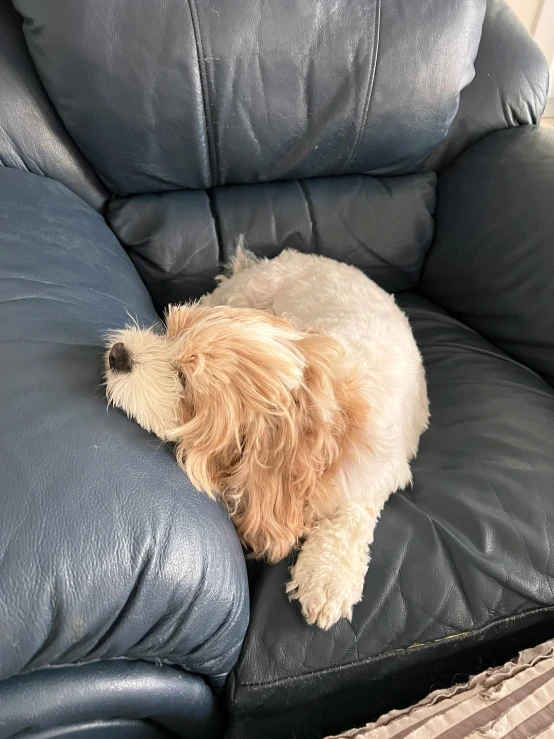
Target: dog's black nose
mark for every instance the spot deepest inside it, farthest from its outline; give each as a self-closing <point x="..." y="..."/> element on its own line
<point x="119" y="358"/>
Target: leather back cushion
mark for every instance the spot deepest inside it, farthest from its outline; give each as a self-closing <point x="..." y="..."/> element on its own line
<point x="172" y="95"/>
<point x="179" y="240"/>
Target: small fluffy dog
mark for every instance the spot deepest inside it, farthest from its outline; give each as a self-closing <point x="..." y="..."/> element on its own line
<point x="296" y="393"/>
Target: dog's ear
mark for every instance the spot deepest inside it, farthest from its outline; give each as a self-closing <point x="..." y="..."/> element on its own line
<point x="236" y="368"/>
<point x="264" y="424"/>
<point x="288" y="459"/>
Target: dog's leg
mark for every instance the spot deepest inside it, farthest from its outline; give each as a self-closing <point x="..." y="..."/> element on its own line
<point x="328" y="577"/>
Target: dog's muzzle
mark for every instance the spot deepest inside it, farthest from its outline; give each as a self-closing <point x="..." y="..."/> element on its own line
<point x="119" y="358"/>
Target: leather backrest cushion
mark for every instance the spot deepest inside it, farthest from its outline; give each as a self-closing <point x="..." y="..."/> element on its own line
<point x="179" y="240"/>
<point x="163" y="96"/>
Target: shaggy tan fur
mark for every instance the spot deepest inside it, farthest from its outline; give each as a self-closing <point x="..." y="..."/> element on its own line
<point x="264" y="422"/>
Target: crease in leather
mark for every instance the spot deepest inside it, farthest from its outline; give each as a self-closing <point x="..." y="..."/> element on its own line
<point x="205" y="94"/>
<point x="217" y="226"/>
<point x="310" y="211"/>
<point x="369" y="88"/>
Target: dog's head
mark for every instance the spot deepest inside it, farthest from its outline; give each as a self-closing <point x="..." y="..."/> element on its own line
<point x="256" y="407"/>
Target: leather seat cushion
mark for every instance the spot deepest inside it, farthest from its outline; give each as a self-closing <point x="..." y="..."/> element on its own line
<point x="458" y="559"/>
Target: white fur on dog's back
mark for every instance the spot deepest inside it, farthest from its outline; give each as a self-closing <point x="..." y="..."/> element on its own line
<point x="324" y="295"/>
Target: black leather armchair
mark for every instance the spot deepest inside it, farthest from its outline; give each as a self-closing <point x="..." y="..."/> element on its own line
<point x="138" y="140"/>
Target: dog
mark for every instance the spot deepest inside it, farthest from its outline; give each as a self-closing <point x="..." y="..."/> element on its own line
<point x="296" y="393"/>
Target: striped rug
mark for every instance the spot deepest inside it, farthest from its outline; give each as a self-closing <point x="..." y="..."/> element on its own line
<point x="515" y="701"/>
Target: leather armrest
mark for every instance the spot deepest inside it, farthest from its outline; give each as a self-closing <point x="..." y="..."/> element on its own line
<point x="492" y="259"/>
<point x="106" y="551"/>
<point x="73" y="701"/>
<point x="509" y="89"/>
<point x="32" y="136"/>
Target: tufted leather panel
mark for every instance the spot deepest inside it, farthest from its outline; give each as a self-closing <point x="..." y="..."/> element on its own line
<point x="460" y="558"/>
<point x="111" y="698"/>
<point x="509" y="89"/>
<point x="32" y="137"/>
<point x="106" y="551"/>
<point x="492" y="262"/>
<point x="169" y="95"/>
<point x="179" y="240"/>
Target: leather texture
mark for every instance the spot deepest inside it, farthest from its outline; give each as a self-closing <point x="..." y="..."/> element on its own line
<point x="106" y="551"/>
<point x="110" y="698"/>
<point x="124" y="598"/>
<point x="457" y="560"/>
<point x="510" y="86"/>
<point x="117" y="729"/>
<point x="493" y="256"/>
<point x="169" y="95"/>
<point x="32" y="137"/>
<point x="178" y="240"/>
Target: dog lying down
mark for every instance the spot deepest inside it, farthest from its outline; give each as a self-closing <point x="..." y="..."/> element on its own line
<point x="295" y="392"/>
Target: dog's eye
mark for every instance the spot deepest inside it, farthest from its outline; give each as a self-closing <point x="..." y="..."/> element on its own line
<point x="181" y="376"/>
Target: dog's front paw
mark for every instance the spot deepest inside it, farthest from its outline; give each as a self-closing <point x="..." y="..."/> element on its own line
<point x="325" y="597"/>
<point x="328" y="577"/>
<point x="319" y="608"/>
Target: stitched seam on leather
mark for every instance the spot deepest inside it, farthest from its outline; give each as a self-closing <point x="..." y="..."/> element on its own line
<point x="204" y="91"/>
<point x="401" y="650"/>
<point x="370" y="85"/>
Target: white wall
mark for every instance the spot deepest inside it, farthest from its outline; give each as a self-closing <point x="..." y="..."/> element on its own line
<point x="527" y="10"/>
